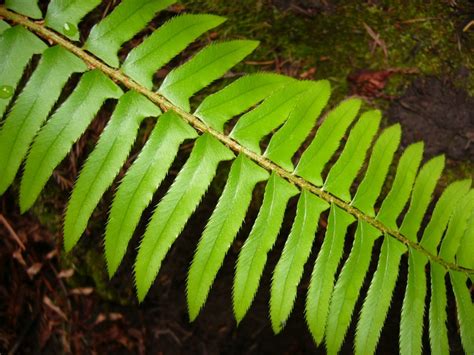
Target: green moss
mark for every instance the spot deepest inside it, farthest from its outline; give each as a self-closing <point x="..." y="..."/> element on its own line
<point x="417" y="35"/>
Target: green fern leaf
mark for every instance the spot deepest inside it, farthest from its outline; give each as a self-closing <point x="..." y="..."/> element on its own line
<point x="32" y="107"/>
<point x="17" y="46"/>
<point x="465" y="256"/>
<point x="377" y="302"/>
<point x="126" y="20"/>
<point x="322" y="277"/>
<point x="104" y="163"/>
<point x="253" y="255"/>
<point x="140" y="183"/>
<point x="245" y="92"/>
<point x="286" y="141"/>
<point x="65" y="126"/>
<point x="208" y="65"/>
<point x="465" y="309"/>
<point x="164" y="44"/>
<point x="172" y="213"/>
<point x="64" y="15"/>
<point x="326" y="141"/>
<point x="256" y="124"/>
<point x="221" y="230"/>
<point x="289" y="269"/>
<point x="343" y="172"/>
<point x="346" y="290"/>
<point x="411" y="324"/>
<point x="25" y="7"/>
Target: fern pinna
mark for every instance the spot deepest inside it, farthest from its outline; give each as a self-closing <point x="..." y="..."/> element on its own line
<point x="266" y="104"/>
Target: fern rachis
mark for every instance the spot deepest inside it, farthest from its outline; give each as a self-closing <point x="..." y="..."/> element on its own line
<point x="267" y="104"/>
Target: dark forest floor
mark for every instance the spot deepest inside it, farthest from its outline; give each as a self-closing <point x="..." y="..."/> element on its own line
<point x="412" y="59"/>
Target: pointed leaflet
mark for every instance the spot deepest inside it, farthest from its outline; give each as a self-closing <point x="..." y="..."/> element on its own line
<point x="449" y="246"/>
<point x="32" y="107"/>
<point x="17" y="46"/>
<point x="347" y="288"/>
<point x="289" y="269"/>
<point x="237" y="97"/>
<point x="411" y="324"/>
<point x="259" y="122"/>
<point x="326" y="141"/>
<point x="379" y="295"/>
<point x="465" y="310"/>
<point x="253" y="255"/>
<point x="104" y="163"/>
<point x="325" y="266"/>
<point x="343" y="172"/>
<point x="209" y="64"/>
<point x="379" y="163"/>
<point x="25" y="7"/>
<point x="125" y="21"/>
<point x="221" y="230"/>
<point x="64" y="15"/>
<point x="174" y="210"/>
<point x="140" y="183"/>
<point x="286" y="141"/>
<point x="65" y="126"/>
<point x="165" y="43"/>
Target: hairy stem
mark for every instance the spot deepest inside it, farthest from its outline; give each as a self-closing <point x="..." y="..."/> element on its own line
<point x="165" y="105"/>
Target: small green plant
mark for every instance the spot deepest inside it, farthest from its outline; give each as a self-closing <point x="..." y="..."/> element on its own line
<point x="266" y="104"/>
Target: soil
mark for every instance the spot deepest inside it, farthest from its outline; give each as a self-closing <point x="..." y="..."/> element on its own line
<point x="52" y="302"/>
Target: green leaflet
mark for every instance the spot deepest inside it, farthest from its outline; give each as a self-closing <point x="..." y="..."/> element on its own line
<point x="465" y="256"/>
<point x="221" y="230"/>
<point x="421" y="197"/>
<point x="140" y="183"/>
<point x="398" y="196"/>
<point x="465" y="310"/>
<point x="237" y="97"/>
<point x="437" y="314"/>
<point x="65" y="126"/>
<point x="449" y="246"/>
<point x="343" y="172"/>
<point x="126" y="20"/>
<point x="325" y="267"/>
<point x="209" y="64"/>
<point x="289" y="269"/>
<point x="377" y="302"/>
<point x="379" y="163"/>
<point x="286" y="141"/>
<point x="253" y="255"/>
<point x="32" y="108"/>
<point x="17" y="46"/>
<point x="104" y="163"/>
<point x="64" y="15"/>
<point x="457" y="226"/>
<point x="326" y="141"/>
<point x="411" y="324"/>
<point x="347" y="289"/>
<point x="443" y="210"/>
<point x="174" y="210"/>
<point x="25" y="7"/>
<point x="259" y="122"/>
<point x="165" y="43"/>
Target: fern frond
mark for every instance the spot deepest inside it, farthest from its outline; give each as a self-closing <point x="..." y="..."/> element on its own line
<point x="276" y="107"/>
<point x="104" y="163"/>
<point x="32" y="108"/>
